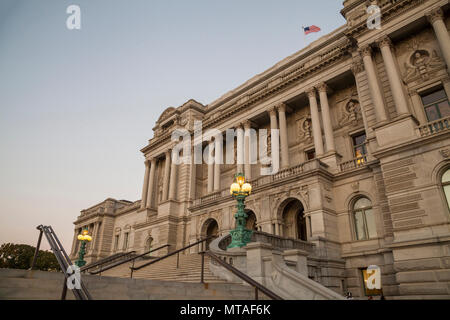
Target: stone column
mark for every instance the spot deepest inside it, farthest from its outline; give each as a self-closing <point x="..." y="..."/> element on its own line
<point x="193" y="188"/>
<point x="317" y="131"/>
<point x="277" y="228"/>
<point x="418" y="106"/>
<point x="357" y="69"/>
<point x="283" y="136"/>
<point x="436" y="18"/>
<point x="328" y="128"/>
<point x="240" y="149"/>
<point x="374" y="86"/>
<point x="173" y="181"/>
<point x="210" y="172"/>
<point x="398" y="92"/>
<point x="94" y="238"/>
<point x="166" y="176"/>
<point x="151" y="184"/>
<point x="247" y="158"/>
<point x="145" y="187"/>
<point x="218" y="156"/>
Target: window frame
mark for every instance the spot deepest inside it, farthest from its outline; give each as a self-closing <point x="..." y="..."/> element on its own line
<point x="443" y="185"/>
<point x="428" y="92"/>
<point x="125" y="240"/>
<point x="363" y="157"/>
<point x="363" y="211"/>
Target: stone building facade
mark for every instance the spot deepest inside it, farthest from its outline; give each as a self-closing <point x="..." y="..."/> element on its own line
<point x="364" y="119"/>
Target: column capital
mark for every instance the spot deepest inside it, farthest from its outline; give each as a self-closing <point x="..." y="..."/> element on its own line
<point x="434" y="15"/>
<point x="311" y="92"/>
<point x="322" y="87"/>
<point x="365" y="51"/>
<point x="357" y="66"/>
<point x="147" y="162"/>
<point x="248" y="124"/>
<point x="272" y="111"/>
<point x="384" y="41"/>
<point x="281" y="107"/>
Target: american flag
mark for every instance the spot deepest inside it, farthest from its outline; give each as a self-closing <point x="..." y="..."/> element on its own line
<point x="311" y="29"/>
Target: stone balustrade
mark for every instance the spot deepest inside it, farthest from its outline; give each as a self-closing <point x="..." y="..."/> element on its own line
<point x="434" y="127"/>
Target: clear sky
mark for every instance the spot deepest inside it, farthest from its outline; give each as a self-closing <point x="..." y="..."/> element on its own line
<point x="76" y="106"/>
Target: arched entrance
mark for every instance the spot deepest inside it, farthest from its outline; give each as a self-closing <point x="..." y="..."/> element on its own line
<point x="251" y="220"/>
<point x="210" y="230"/>
<point x="294" y="221"/>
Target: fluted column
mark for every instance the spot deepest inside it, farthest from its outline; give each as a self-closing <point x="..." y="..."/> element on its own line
<point x="173" y="181"/>
<point x="166" y="176"/>
<point x="145" y="187"/>
<point x="374" y="86"/>
<point x="317" y="131"/>
<point x="436" y="19"/>
<point x="218" y="155"/>
<point x="240" y="149"/>
<point x="327" y="127"/>
<point x="151" y="184"/>
<point x="247" y="158"/>
<point x="283" y="136"/>
<point x="398" y="92"/>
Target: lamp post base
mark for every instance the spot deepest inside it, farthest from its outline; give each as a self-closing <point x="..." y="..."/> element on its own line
<point x="240" y="237"/>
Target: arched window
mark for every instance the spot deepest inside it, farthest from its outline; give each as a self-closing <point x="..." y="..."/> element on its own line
<point x="446" y="186"/>
<point x="365" y="227"/>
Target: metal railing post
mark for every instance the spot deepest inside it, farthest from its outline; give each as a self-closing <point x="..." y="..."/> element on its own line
<point x="178" y="260"/>
<point x="37" y="250"/>
<point x="202" y="275"/>
<point x="256" y="293"/>
<point x="64" y="291"/>
<point x="132" y="269"/>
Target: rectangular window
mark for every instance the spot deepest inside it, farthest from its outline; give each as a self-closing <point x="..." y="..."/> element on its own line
<point x="436" y="104"/>
<point x="359" y="145"/>
<point x="125" y="241"/>
<point x="310" y="155"/>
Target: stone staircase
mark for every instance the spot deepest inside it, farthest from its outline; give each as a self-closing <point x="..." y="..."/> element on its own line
<point x="189" y="270"/>
<point x="41" y="285"/>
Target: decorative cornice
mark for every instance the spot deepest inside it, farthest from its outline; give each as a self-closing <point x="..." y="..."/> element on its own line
<point x="435" y="15"/>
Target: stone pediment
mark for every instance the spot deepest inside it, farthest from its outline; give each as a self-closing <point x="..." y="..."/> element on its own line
<point x="166" y="114"/>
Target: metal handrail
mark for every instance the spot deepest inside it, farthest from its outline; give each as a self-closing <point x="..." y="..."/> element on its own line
<point x="128" y="260"/>
<point x="105" y="260"/>
<point x="133" y="268"/>
<point x="63" y="260"/>
<point x="241" y="275"/>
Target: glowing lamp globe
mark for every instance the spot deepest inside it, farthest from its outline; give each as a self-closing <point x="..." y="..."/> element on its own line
<point x="88" y="238"/>
<point x="85" y="232"/>
<point x="80" y="237"/>
<point x="240" y="179"/>
<point x="235" y="188"/>
<point x="247" y="188"/>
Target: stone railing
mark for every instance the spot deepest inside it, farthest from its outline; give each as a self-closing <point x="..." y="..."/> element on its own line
<point x="276" y="242"/>
<point x="354" y="163"/>
<point x="434" y="127"/>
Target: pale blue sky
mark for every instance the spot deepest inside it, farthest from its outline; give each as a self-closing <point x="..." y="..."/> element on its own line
<point x="76" y="106"/>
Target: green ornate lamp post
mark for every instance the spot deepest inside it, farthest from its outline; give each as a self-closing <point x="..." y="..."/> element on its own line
<point x="240" y="190"/>
<point x="84" y="238"/>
